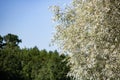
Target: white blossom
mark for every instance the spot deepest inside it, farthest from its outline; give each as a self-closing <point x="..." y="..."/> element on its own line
<point x="90" y="31"/>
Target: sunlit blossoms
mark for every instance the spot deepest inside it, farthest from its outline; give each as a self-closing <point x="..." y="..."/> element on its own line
<point x="89" y="30"/>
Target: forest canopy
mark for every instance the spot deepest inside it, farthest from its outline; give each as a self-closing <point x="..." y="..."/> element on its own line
<point x="30" y="63"/>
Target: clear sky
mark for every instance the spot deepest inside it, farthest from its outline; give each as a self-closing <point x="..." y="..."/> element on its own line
<point x="31" y="20"/>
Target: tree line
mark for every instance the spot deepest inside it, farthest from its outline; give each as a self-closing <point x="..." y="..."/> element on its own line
<point x="30" y="63"/>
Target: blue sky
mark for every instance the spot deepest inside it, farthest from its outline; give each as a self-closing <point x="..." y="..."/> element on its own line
<point x="31" y="20"/>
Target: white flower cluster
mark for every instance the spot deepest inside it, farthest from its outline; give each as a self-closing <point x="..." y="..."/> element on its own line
<point x="90" y="31"/>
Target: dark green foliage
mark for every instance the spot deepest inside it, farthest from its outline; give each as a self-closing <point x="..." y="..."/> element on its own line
<point x="12" y="40"/>
<point x="1" y="41"/>
<point x="30" y="64"/>
<point x="10" y="65"/>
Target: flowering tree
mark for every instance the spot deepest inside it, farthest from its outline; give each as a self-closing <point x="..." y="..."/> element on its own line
<point x="89" y="30"/>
